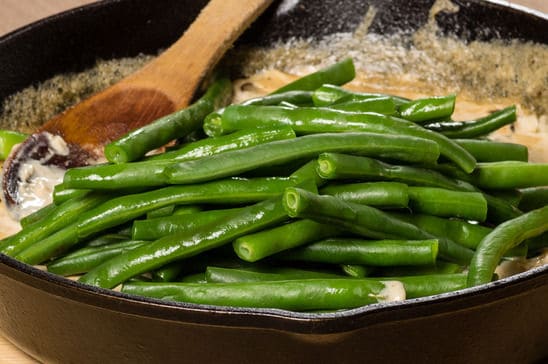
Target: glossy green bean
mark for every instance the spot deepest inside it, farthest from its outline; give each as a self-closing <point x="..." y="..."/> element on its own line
<point x="334" y="166"/>
<point x="306" y="120"/>
<point x="8" y="139"/>
<point x="234" y="275"/>
<point x="510" y="174"/>
<point x="476" y="128"/>
<point x="337" y="74"/>
<point x="295" y="97"/>
<point x="356" y="270"/>
<point x="504" y="237"/>
<point x="228" y="191"/>
<point x="237" y="140"/>
<point x="367" y="252"/>
<point x="364" y="220"/>
<point x="491" y="151"/>
<point x="329" y="95"/>
<point x="383" y="105"/>
<point x="446" y="203"/>
<point x="63" y="215"/>
<point x="186" y="244"/>
<point x="533" y="198"/>
<point x="135" y="144"/>
<point x="262" y="244"/>
<point x="62" y="193"/>
<point x="428" y="108"/>
<point x="83" y="260"/>
<point x="153" y="229"/>
<point x="381" y="194"/>
<point x="429" y="285"/>
<point x="37" y="215"/>
<point x="295" y="295"/>
<point x="460" y="231"/>
<point x="279" y="152"/>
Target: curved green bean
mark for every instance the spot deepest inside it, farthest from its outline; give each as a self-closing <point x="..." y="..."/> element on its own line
<point x="476" y="128"/>
<point x="306" y="120"/>
<point x="337" y="74"/>
<point x="428" y="108"/>
<point x="504" y="237"/>
<point x="135" y="144"/>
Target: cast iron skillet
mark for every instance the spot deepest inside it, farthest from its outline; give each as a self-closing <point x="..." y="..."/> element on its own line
<point x="57" y="320"/>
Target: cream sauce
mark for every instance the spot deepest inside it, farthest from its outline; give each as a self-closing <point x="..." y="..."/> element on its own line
<point x="393" y="291"/>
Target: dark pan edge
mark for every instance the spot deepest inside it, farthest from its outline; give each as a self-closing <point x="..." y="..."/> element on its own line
<point x="297" y="322"/>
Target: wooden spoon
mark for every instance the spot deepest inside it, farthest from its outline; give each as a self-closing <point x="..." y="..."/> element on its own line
<point x="161" y="87"/>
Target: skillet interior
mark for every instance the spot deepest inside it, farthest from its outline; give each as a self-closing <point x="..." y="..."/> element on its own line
<point x="36" y="305"/>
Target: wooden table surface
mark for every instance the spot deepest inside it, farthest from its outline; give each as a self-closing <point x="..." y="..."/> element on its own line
<point x="16" y="13"/>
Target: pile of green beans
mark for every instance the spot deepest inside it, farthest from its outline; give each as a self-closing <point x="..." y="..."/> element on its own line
<point x="310" y="198"/>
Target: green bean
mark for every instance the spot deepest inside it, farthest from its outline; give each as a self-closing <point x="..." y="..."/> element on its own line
<point x="37" y="215"/>
<point x="382" y="194"/>
<point x="533" y="198"/>
<point x="364" y="220"/>
<point x="490" y="151"/>
<point x="62" y="193"/>
<point x="461" y="232"/>
<point x="510" y="174"/>
<point x="199" y="278"/>
<point x="427" y="109"/>
<point x="152" y="229"/>
<point x="51" y="246"/>
<point x="429" y="285"/>
<point x="161" y="212"/>
<point x="499" y="210"/>
<point x="220" y="257"/>
<point x="476" y="128"/>
<point x="512" y="196"/>
<point x="237" y="140"/>
<point x="186" y="210"/>
<point x="126" y="208"/>
<point x="504" y="237"/>
<point x="307" y="120"/>
<point x="310" y="146"/>
<point x="356" y="270"/>
<point x="106" y="239"/>
<point x="135" y="144"/>
<point x="328" y="95"/>
<point x="447" y="203"/>
<point x="296" y="97"/>
<point x="337" y="74"/>
<point x="8" y="139"/>
<point x="186" y="244"/>
<point x="63" y="215"/>
<point x="367" y="252"/>
<point x="295" y="295"/>
<point x="341" y="166"/>
<point x="383" y="105"/>
<point x="308" y="171"/>
<point x="82" y="260"/>
<point x="262" y="244"/>
<point x="234" y="275"/>
<point x="440" y="268"/>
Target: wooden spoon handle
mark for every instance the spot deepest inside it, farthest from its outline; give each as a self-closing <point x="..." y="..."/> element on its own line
<point x="216" y="28"/>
